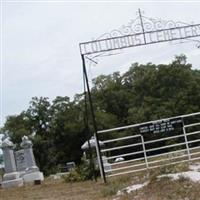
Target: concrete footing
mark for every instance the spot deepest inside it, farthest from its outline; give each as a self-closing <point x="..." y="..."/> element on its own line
<point x="34" y="176"/>
<point x="12" y="183"/>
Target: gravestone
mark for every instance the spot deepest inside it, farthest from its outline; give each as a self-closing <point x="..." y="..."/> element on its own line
<point x="32" y="173"/>
<point x="106" y="164"/>
<point x="20" y="162"/>
<point x="11" y="178"/>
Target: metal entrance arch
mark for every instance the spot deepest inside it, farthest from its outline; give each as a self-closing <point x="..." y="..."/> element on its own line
<point x="139" y="32"/>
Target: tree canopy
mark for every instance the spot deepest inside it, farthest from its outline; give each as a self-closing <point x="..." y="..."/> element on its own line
<point x="143" y="93"/>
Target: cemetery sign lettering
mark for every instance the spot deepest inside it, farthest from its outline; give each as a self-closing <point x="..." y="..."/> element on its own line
<point x="139" y="39"/>
<point x="161" y="126"/>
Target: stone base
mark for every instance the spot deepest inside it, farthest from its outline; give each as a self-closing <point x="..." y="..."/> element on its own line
<point x="12" y="183"/>
<point x="32" y="169"/>
<point x="11" y="176"/>
<point x="21" y="173"/>
<point x="34" y="176"/>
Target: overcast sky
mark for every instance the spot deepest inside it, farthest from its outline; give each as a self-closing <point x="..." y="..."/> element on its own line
<point x="41" y="45"/>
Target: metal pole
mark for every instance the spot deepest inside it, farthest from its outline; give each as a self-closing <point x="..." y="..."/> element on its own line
<point x="92" y="166"/>
<point x="142" y="25"/>
<point x="94" y="122"/>
<point x="145" y="154"/>
<point x="186" y="141"/>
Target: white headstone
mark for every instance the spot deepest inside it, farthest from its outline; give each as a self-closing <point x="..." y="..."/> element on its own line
<point x="11" y="177"/>
<point x="32" y="172"/>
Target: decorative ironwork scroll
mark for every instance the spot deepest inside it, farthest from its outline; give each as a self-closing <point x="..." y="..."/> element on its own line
<point x="138" y="32"/>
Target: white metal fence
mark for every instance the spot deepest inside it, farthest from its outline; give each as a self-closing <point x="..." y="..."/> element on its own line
<point x="151" y="144"/>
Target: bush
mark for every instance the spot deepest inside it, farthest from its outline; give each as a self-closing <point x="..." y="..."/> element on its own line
<point x="82" y="172"/>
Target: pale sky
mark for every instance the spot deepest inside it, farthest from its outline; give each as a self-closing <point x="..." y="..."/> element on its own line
<point x="40" y="45"/>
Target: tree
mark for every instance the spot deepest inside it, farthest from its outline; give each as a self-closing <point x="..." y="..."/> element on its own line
<point x="67" y="130"/>
<point x="17" y="126"/>
<point x="143" y="93"/>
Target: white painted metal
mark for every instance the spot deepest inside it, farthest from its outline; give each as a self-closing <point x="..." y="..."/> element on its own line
<point x="163" y="139"/>
<point x="121" y="147"/>
<point x="166" y="159"/>
<point x="192" y="133"/>
<point x="143" y="159"/>
<point x="168" y="153"/>
<point x="165" y="147"/>
<point x="189" y="125"/>
<point x="119" y="139"/>
<point x="98" y="158"/>
<point x="186" y="141"/>
<point x="139" y="124"/>
<point x="127" y="161"/>
<point x="126" y="154"/>
<point x="145" y="152"/>
<point x="126" y="167"/>
<point x="193" y="141"/>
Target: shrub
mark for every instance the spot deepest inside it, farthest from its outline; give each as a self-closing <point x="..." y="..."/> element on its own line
<point x="82" y="172"/>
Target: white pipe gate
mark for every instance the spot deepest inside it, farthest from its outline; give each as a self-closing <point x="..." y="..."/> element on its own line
<point x="150" y="145"/>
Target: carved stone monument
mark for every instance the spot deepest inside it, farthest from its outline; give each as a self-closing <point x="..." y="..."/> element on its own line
<point x="20" y="162"/>
<point x="32" y="173"/>
<point x="11" y="177"/>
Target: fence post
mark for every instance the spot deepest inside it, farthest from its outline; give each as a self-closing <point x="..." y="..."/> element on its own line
<point x="145" y="154"/>
<point x="186" y="141"/>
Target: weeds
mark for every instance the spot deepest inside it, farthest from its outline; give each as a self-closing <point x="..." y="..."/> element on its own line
<point x="153" y="174"/>
<point x="80" y="173"/>
<point x="116" y="184"/>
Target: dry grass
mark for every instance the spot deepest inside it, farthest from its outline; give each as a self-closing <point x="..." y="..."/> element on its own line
<point x="55" y="189"/>
<point x="162" y="189"/>
<point x="166" y="189"/>
<point x="60" y="190"/>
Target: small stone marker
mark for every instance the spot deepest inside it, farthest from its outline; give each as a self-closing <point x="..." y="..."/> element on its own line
<point x="106" y="164"/>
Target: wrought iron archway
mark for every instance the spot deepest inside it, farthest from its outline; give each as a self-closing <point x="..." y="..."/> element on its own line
<point x="139" y="32"/>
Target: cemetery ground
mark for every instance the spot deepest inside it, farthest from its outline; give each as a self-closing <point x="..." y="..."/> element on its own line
<point x="155" y="187"/>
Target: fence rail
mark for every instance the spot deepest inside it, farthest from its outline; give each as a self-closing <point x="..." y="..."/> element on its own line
<point x="163" y="142"/>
